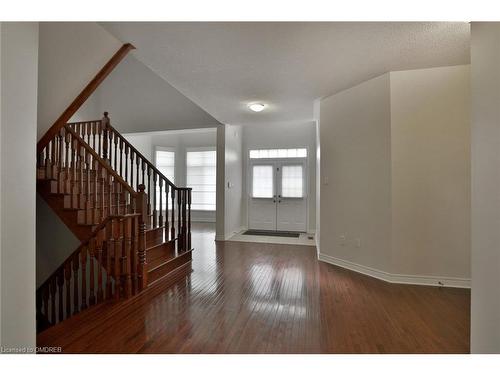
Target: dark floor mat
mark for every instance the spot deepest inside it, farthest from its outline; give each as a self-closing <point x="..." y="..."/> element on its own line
<point x="254" y="232"/>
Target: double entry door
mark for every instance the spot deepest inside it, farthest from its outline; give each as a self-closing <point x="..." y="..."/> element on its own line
<point x="277" y="199"/>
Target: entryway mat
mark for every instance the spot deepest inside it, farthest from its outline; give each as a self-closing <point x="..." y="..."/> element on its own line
<point x="254" y="232"/>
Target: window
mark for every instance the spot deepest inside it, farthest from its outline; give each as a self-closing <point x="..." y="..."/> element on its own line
<point x="279" y="153"/>
<point x="165" y="162"/>
<point x="263" y="181"/>
<point x="292" y="181"/>
<point x="201" y="177"/>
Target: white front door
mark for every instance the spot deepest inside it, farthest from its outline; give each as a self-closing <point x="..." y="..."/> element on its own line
<point x="277" y="199"/>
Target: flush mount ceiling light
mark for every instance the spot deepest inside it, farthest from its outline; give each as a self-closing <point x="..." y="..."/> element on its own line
<point x="257" y="107"/>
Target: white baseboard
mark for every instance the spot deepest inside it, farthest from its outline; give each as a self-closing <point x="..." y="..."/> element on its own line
<point x="453" y="282"/>
<point x="203" y="220"/>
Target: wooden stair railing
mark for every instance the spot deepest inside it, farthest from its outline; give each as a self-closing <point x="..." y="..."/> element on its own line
<point x="94" y="178"/>
<point x="102" y="268"/>
<point x="168" y="206"/>
<point x="90" y="182"/>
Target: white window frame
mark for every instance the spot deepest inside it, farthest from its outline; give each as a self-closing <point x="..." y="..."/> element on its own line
<point x="198" y="149"/>
<point x="278" y="157"/>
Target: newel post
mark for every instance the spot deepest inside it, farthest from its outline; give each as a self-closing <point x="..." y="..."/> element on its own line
<point x="105" y="127"/>
<point x="142" y="206"/>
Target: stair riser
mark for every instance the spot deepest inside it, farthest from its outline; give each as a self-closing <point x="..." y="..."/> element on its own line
<point x="166" y="250"/>
<point x="154" y="237"/>
<point x="79" y="201"/>
<point x="64" y="187"/>
<point x="168" y="267"/>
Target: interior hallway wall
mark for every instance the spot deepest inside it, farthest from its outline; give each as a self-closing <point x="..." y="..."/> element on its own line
<point x="356" y="174"/>
<point x="485" y="136"/>
<point x="18" y="118"/>
<point x="395" y="168"/>
<point x="430" y="153"/>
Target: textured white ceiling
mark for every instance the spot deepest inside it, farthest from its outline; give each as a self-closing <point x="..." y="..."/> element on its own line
<point x="224" y="66"/>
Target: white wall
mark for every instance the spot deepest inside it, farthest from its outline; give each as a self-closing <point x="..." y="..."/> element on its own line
<point x="356" y="174"/>
<point x="139" y="100"/>
<point x="180" y="142"/>
<point x="395" y="168"/>
<point x="233" y="177"/>
<point x="90" y="110"/>
<point x="71" y="53"/>
<point x="485" y="136"/>
<point x="18" y="77"/>
<point x="288" y="135"/>
<point x="430" y="140"/>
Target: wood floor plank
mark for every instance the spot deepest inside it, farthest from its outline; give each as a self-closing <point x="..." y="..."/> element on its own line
<point x="240" y="297"/>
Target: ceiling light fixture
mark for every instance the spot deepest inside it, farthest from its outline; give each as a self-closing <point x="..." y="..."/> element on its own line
<point x="256" y="107"/>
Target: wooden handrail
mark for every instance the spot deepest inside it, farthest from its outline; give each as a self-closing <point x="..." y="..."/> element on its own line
<point x="98" y="228"/>
<point x="84" y="95"/>
<point x="101" y="161"/>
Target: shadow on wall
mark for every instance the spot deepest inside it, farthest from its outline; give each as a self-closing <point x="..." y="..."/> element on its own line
<point x="54" y="241"/>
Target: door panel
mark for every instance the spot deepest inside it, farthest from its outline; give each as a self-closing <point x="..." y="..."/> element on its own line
<point x="262" y="200"/>
<point x="291" y="212"/>
<point x="262" y="214"/>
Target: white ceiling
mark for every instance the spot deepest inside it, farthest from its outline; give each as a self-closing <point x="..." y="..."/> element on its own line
<point x="224" y="66"/>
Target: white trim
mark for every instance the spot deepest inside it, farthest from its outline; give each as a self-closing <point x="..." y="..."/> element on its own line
<point x="234" y="232"/>
<point x="203" y="219"/>
<point x="453" y="282"/>
<point x="200" y="149"/>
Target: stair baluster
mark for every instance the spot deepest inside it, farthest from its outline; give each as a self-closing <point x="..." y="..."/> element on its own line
<point x="92" y="249"/>
<point x="83" y="261"/>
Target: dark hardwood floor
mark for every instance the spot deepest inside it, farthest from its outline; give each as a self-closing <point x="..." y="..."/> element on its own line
<point x="265" y="298"/>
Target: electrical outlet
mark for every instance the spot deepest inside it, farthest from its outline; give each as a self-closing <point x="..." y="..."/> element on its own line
<point x="358" y="242"/>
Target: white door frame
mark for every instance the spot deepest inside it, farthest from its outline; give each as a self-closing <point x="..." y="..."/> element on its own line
<point x="251" y="162"/>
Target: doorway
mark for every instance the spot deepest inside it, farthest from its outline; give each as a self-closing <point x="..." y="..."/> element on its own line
<point x="278" y="197"/>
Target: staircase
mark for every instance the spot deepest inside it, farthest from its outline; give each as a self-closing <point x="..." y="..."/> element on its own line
<point x="134" y="224"/>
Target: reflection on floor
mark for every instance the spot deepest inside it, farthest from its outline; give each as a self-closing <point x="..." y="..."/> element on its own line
<point x="241" y="297"/>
